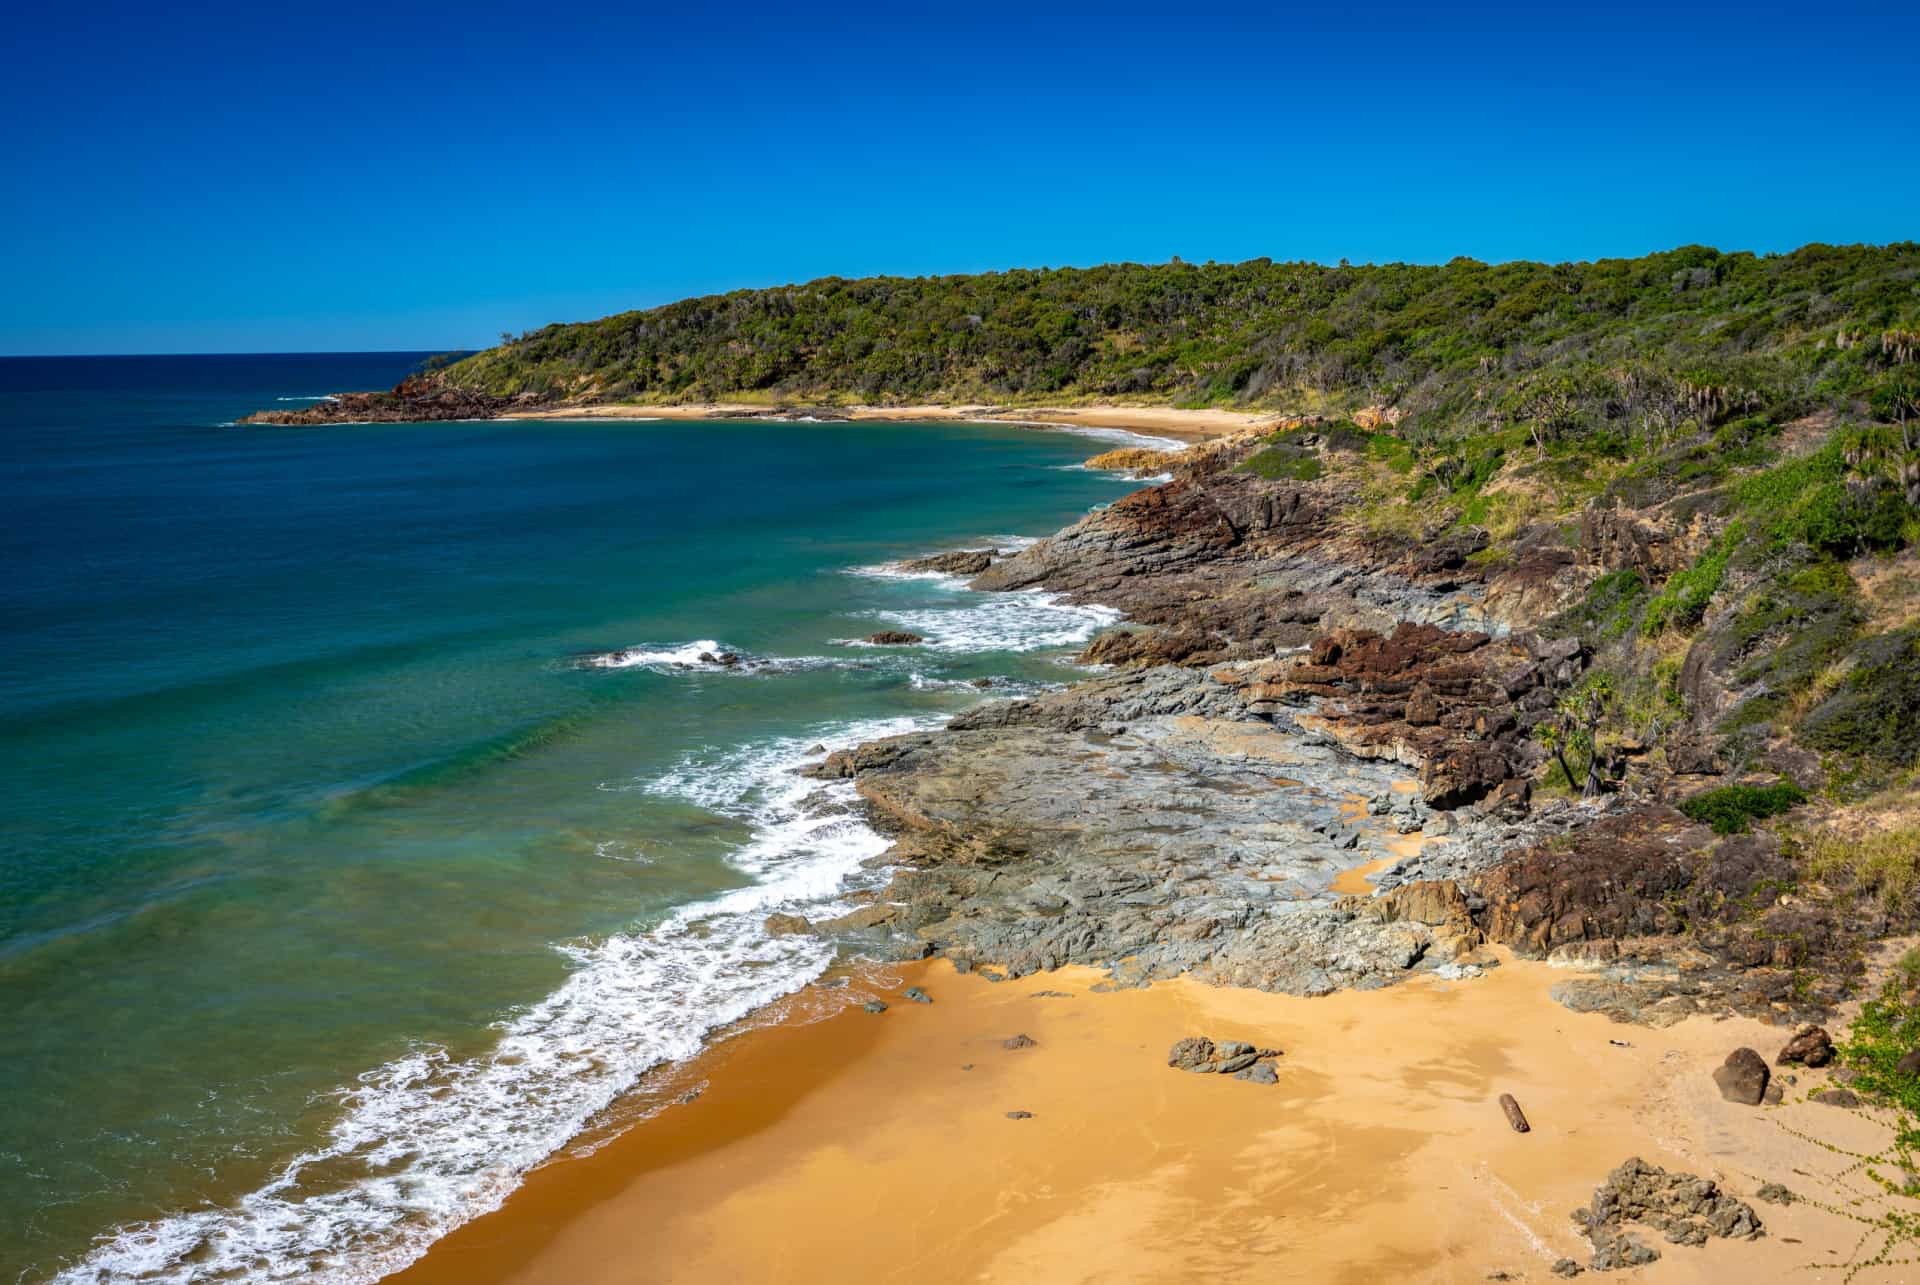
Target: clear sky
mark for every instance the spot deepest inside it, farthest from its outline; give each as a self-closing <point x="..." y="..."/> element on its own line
<point x="255" y="177"/>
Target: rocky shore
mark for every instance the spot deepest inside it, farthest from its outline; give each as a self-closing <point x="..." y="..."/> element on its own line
<point x="1285" y="701"/>
<point x="1312" y="761"/>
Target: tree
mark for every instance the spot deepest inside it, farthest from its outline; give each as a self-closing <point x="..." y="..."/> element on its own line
<point x="1575" y="726"/>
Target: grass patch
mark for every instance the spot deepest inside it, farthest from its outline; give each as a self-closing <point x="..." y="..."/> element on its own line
<point x="1884" y="863"/>
<point x="1731" y="809"/>
<point x="1283" y="463"/>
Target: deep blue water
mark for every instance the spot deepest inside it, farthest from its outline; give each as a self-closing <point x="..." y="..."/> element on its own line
<point x="337" y="883"/>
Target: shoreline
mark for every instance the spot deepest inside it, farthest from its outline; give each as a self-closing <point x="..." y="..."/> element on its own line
<point x="1380" y="1152"/>
<point x="1186" y="425"/>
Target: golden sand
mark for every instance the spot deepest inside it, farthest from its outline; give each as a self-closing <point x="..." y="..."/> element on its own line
<point x="878" y="1148"/>
<point x="1167" y="421"/>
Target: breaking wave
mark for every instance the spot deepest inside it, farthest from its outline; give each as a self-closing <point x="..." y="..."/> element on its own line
<point x="429" y="1141"/>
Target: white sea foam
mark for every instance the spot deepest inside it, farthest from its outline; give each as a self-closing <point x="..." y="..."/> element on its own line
<point x="316" y="397"/>
<point x="1123" y="436"/>
<point x="623" y="851"/>
<point x="1128" y="474"/>
<point x="710" y="657"/>
<point x="694" y="655"/>
<point x="1024" y="620"/>
<point x="427" y="1142"/>
<point x="1004" y="545"/>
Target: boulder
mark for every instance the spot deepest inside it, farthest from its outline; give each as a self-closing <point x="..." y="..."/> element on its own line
<point x="894" y="638"/>
<point x="1684" y="1208"/>
<point x="1743" y="1077"/>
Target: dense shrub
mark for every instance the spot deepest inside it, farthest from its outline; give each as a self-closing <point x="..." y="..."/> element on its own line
<point x="1283" y="463"/>
<point x="1730" y="809"/>
<point x="1609" y="352"/>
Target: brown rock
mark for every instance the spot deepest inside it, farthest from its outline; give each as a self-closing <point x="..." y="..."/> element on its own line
<point x="1423" y="707"/>
<point x="786" y="925"/>
<point x="1743" y="1077"/>
<point x="894" y="638"/>
<point x="1810" y="1046"/>
<point x="1195" y="1053"/>
<point x="963" y="562"/>
<point x="1018" y="1042"/>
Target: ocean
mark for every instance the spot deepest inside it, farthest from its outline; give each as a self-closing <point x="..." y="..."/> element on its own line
<point x="369" y="820"/>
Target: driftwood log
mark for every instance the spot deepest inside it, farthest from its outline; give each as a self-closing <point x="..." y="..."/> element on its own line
<point x="1515" y="1116"/>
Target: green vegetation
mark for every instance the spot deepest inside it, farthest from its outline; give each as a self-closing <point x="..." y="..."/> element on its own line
<point x="1624" y="353"/>
<point x="1888" y="1029"/>
<point x="1612" y="603"/>
<point x="1283" y="463"/>
<point x="1684" y="601"/>
<point x="1731" y="808"/>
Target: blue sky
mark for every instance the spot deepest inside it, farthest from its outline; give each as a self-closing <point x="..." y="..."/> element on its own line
<point x="250" y="178"/>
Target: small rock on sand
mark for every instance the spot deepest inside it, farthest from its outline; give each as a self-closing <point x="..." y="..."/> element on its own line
<point x="1838" y="1098"/>
<point x="1810" y="1046"/>
<point x="1743" y="1077"/>
<point x="1019" y="1115"/>
<point x="1774" y="1194"/>
<point x="918" y="996"/>
<point x="1018" y="1042"/>
<point x="1195" y="1053"/>
<point x="1566" y="1267"/>
<point x="875" y="1006"/>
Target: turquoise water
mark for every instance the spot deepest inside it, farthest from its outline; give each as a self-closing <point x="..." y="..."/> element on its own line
<point x="363" y="830"/>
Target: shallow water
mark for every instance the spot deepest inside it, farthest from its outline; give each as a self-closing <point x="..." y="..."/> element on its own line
<point x="340" y="883"/>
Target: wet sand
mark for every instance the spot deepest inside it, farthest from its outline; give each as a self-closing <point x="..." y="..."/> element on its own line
<point x="878" y="1148"/>
<point x="1164" y="421"/>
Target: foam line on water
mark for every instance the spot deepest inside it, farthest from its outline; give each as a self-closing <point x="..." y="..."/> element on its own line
<point x="428" y="1142"/>
<point x="1022" y="620"/>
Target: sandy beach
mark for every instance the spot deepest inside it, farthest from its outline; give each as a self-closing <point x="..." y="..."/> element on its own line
<point x="1168" y="421"/>
<point x="879" y="1147"/>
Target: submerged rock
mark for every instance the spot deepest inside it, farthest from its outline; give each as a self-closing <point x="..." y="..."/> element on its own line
<point x="894" y="638"/>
